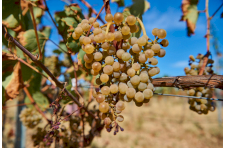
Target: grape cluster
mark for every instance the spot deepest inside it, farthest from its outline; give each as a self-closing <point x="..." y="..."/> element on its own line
<point x="200" y="105"/>
<point x="30" y="117"/>
<point x="124" y="69"/>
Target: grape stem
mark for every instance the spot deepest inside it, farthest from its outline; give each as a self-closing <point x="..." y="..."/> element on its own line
<point x="108" y="25"/>
<point x="142" y="26"/>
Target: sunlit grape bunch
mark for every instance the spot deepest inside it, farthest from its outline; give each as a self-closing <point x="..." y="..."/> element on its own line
<point x="30" y="117"/>
<point x="201" y="106"/>
<point x="122" y="63"/>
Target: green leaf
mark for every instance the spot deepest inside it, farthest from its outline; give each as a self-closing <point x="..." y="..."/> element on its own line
<point x="192" y="18"/>
<point x="74" y="8"/>
<point x="35" y="83"/>
<point x="81" y="56"/>
<point x="70" y="21"/>
<point x="56" y="51"/>
<point x="46" y="31"/>
<point x="28" y="40"/>
<point x="26" y="72"/>
<point x="40" y="99"/>
<point x="73" y="45"/>
<point x="38" y="12"/>
<point x="11" y="21"/>
<point x="120" y="3"/>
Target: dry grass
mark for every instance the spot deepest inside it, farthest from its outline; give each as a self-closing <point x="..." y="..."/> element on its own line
<point x="164" y="122"/>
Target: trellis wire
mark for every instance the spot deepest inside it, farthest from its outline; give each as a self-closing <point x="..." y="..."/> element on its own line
<point x="88" y="86"/>
<point x="188" y="96"/>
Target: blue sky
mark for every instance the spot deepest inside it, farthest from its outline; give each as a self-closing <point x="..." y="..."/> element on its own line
<point x="162" y="14"/>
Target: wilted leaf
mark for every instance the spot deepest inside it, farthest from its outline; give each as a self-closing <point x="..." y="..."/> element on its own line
<point x="14" y="84"/>
<point x="40" y="99"/>
<point x="28" y="40"/>
<point x="8" y="62"/>
<point x="52" y="63"/>
<point x="190" y="15"/>
<point x="46" y="31"/>
<point x="120" y="3"/>
<point x="70" y="21"/>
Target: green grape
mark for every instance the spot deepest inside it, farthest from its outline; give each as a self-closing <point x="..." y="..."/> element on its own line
<point x="149" y="53"/>
<point x="136" y="66"/>
<point x="120" y="118"/>
<point x="98" y="56"/>
<point x="147" y="93"/>
<point x="123" y="77"/>
<point x="97" y="31"/>
<point x="193" y="66"/>
<point x="116" y="66"/>
<point x="86" y="40"/>
<point x="105" y="46"/>
<point x="84" y="21"/>
<point x="161" y="53"/>
<point x="126" y="56"/>
<point x="88" y="58"/>
<point x="120" y="105"/>
<point x="133" y="28"/>
<point x="133" y="40"/>
<point x="81" y="39"/>
<point x="100" y="98"/>
<point x="94" y="93"/>
<point x="96" y="39"/>
<point x="108" y="17"/>
<point x="119" y="53"/>
<point x="161" y="33"/>
<point x="135" y="80"/>
<point x="109" y="60"/>
<point x="158" y="70"/>
<point x="125" y="46"/>
<point x="131" y="72"/>
<point x="111" y="50"/>
<point x="152" y="72"/>
<point x="186" y="70"/>
<point x="85" y="26"/>
<point x="78" y="31"/>
<point x="144" y="77"/>
<point x="110" y="36"/>
<point x="151" y="86"/>
<point x="142" y="41"/>
<point x="139" y="97"/>
<point x="156" y="48"/>
<point x="131" y="20"/>
<point x="107" y="121"/>
<point x="123" y="88"/>
<point x="154" y="31"/>
<point x="130" y="93"/>
<point x="96" y="66"/>
<point x="199" y="94"/>
<point x="105" y="90"/>
<point x="142" y="86"/>
<point x="130" y="85"/>
<point x="191" y="92"/>
<point x="136" y="48"/>
<point x="125" y="30"/>
<point x="94" y="73"/>
<point x="101" y="37"/>
<point x="114" y="88"/>
<point x="147" y="46"/>
<point x="91" y="20"/>
<point x="191" y="57"/>
<point x="79" y="25"/>
<point x="123" y="67"/>
<point x="116" y="74"/>
<point x="104" y="78"/>
<point x="96" y="25"/>
<point x="142" y="58"/>
<point x="164" y="42"/>
<point x="118" y="36"/>
<point x="75" y="36"/>
<point x="88" y="65"/>
<point x="125" y="37"/>
<point x="89" y="48"/>
<point x="108" y="69"/>
<point x="92" y="37"/>
<point x="210" y="61"/>
<point x="118" y="18"/>
<point x="153" y="61"/>
<point x="104" y="107"/>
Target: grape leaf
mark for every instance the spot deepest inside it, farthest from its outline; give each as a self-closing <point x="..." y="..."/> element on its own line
<point x="28" y="40"/>
<point x="40" y="99"/>
<point x="120" y="3"/>
<point x="190" y="15"/>
<point x="73" y="45"/>
<point x="70" y="21"/>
